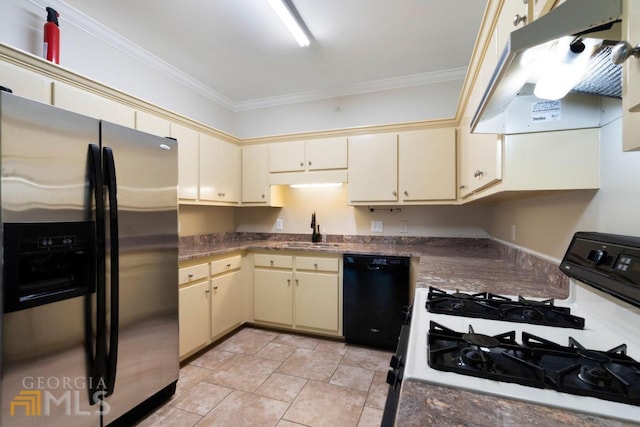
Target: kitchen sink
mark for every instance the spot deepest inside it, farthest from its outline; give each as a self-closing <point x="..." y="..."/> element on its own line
<point x="308" y="245"/>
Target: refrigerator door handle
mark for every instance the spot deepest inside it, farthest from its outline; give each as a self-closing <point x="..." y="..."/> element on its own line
<point x="109" y="168"/>
<point x="96" y="355"/>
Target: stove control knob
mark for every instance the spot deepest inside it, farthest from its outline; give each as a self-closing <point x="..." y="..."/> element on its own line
<point x="396" y="361"/>
<point x="394" y="378"/>
<point x="598" y="256"/>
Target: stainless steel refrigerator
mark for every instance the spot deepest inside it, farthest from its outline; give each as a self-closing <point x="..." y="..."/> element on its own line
<point x="89" y="290"/>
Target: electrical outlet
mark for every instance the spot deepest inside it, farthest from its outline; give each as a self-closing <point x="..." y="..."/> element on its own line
<point x="376" y="226"/>
<point x="513" y="232"/>
<point x="278" y="224"/>
<point x="404" y="226"/>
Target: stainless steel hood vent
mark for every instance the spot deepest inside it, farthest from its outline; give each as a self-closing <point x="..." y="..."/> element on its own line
<point x="508" y="104"/>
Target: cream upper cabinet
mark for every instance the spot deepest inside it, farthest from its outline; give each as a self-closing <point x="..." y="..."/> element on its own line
<point x="631" y="78"/>
<point x="219" y="170"/>
<point x="480" y="160"/>
<point x="546" y="161"/>
<point x="373" y="168"/>
<point x="83" y="102"/>
<point x="188" y="155"/>
<point x="326" y="154"/>
<point x="297" y="156"/>
<point x="256" y="190"/>
<point x="427" y="165"/>
<point x="152" y="124"/>
<point x="25" y="83"/>
<point x="286" y="156"/>
<point x="303" y="162"/>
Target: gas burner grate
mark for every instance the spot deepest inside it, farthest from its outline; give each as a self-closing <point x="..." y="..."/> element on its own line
<point x="608" y="375"/>
<point x="486" y="305"/>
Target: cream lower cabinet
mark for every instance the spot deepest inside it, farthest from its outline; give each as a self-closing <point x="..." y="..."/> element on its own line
<point x="226" y="295"/>
<point x="210" y="301"/>
<point x="193" y="308"/>
<point x="298" y="292"/>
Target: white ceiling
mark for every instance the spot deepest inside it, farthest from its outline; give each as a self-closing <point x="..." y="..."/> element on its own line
<point x="240" y="50"/>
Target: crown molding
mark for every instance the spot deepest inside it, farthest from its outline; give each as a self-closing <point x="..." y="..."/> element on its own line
<point x="70" y="15"/>
<point x="355" y="89"/>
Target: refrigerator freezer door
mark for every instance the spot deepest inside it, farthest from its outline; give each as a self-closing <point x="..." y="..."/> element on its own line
<point x="146" y="173"/>
<point x="44" y="178"/>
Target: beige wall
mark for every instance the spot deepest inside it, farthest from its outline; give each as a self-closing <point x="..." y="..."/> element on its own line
<point x="336" y="217"/>
<point x="546" y="224"/>
<point x="195" y="220"/>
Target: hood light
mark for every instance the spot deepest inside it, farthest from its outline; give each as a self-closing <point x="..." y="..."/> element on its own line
<point x="563" y="67"/>
<point x="317" y="185"/>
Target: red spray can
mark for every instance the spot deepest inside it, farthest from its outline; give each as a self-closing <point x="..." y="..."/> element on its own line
<point x="52" y="37"/>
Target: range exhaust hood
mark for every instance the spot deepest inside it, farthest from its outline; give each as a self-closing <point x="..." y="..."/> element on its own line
<point x="577" y="35"/>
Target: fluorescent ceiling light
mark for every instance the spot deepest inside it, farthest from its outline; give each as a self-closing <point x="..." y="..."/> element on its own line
<point x="318" y="185"/>
<point x="286" y="12"/>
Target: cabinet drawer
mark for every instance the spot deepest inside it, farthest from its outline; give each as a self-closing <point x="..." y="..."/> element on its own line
<point x="225" y="264"/>
<point x="193" y="273"/>
<point x="275" y="261"/>
<point x="317" y="263"/>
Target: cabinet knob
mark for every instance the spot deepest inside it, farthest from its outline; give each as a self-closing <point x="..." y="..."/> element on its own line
<point x="228" y="265"/>
<point x="406" y="193"/>
<point x="206" y="291"/>
<point x="297" y="282"/>
<point x="623" y="51"/>
<point x="215" y="288"/>
<point x="462" y="187"/>
<point x="309" y="162"/>
<point x="394" y="192"/>
<point x="518" y="19"/>
<point x="288" y="282"/>
<point x="263" y="196"/>
<point x="478" y="173"/>
<point x="315" y="265"/>
<point x="301" y="163"/>
<point x="271" y="263"/>
<point x="190" y="276"/>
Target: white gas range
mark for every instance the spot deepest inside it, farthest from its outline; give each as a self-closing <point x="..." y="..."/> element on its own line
<point x="608" y="262"/>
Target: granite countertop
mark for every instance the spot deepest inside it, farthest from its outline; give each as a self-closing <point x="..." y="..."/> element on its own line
<point x="473" y="265"/>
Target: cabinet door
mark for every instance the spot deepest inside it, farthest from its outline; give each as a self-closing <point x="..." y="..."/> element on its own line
<point x="193" y="317"/>
<point x="286" y="156"/>
<point x="229" y="174"/>
<point x="273" y="298"/>
<point x="152" y="124"/>
<point x="80" y="101"/>
<point x="326" y="154"/>
<point x="316" y="300"/>
<point x="226" y="303"/>
<point x="373" y="168"/>
<point x="187" y="161"/>
<point x="485" y="160"/>
<point x="427" y="165"/>
<point x="254" y="174"/>
<point x="25" y="83"/>
<point x="631" y="78"/>
<point x="208" y="163"/>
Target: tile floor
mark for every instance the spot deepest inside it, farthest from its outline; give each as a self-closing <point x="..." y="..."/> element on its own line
<point x="264" y="378"/>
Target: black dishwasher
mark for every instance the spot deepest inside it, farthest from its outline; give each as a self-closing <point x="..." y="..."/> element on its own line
<point x="375" y="290"/>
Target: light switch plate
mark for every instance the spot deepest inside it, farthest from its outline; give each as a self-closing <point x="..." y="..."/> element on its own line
<point x="278" y="224"/>
<point x="376" y="226"/>
<point x="404" y="226"/>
